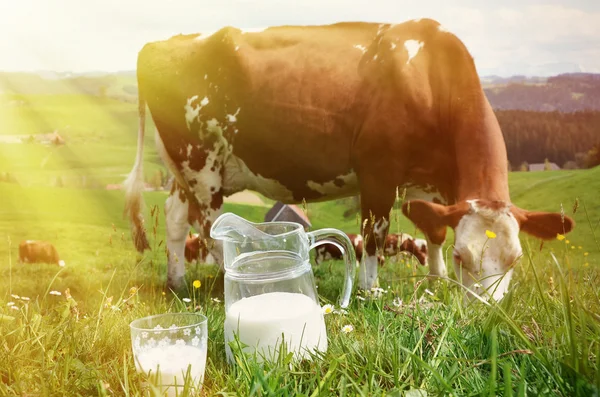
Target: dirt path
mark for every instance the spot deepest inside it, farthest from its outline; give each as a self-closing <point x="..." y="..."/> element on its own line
<point x="245" y="197"/>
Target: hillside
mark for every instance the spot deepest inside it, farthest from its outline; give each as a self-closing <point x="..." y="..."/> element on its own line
<point x="564" y="93"/>
<point x="569" y="92"/>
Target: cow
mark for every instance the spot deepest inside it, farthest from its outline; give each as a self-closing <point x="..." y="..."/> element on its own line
<point x="313" y="113"/>
<point x="196" y="248"/>
<point x="326" y="252"/>
<point x="395" y="243"/>
<point x="35" y="251"/>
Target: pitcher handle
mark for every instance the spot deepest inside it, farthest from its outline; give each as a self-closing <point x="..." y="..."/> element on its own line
<point x="340" y="240"/>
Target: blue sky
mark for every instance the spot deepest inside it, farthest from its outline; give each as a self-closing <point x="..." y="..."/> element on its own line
<point x="506" y="37"/>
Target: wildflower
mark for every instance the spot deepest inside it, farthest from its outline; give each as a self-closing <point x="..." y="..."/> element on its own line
<point x="14" y="307"/>
<point x="429" y="292"/>
<point x="10" y="304"/>
<point x="24" y="298"/>
<point x="115" y="308"/>
<point x="57" y="293"/>
<point x="580" y="247"/>
<point x="586" y="253"/>
<point x="216" y="300"/>
<point x="347" y="329"/>
<point x="163" y="293"/>
<point x="327" y="309"/>
<point x="586" y="264"/>
<point x="490" y="234"/>
<point x="560" y="237"/>
<point x="17" y="297"/>
<point x="186" y="300"/>
<point x="572" y="247"/>
<point x="340" y="312"/>
<point x="133" y="290"/>
<point x="360" y="298"/>
<point x="397" y="302"/>
<point x="197" y="284"/>
<point x="567" y="242"/>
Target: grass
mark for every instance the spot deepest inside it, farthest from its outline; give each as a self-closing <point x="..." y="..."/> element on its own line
<point x="417" y="336"/>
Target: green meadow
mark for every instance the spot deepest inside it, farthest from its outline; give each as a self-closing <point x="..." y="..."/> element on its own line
<point x="416" y="337"/>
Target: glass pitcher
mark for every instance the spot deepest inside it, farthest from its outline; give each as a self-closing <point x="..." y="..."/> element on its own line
<point x="271" y="302"/>
<point x="240" y="236"/>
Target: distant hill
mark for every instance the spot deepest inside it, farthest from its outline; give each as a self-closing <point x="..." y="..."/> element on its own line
<point x="566" y="93"/>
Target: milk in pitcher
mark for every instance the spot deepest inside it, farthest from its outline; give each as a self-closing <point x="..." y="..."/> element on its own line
<point x="261" y="320"/>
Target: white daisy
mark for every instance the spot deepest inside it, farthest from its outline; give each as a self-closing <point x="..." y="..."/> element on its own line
<point x="346" y="329"/>
<point x="186" y="300"/>
<point x="327" y="309"/>
<point x="397" y="302"/>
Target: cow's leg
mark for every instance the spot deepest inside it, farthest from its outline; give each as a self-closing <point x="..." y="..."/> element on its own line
<point x="178" y="226"/>
<point x="376" y="204"/>
<point x="435" y="259"/>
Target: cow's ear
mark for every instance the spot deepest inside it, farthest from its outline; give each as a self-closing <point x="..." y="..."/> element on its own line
<point x="432" y="218"/>
<point x="544" y="225"/>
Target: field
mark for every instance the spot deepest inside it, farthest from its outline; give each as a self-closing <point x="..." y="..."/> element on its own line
<point x="417" y="337"/>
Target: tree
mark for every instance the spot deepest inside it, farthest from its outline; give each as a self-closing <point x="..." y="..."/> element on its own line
<point x="593" y="156"/>
<point x="524" y="167"/>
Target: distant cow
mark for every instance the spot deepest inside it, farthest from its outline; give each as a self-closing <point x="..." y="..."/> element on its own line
<point x="396" y="243"/>
<point x="196" y="249"/>
<point x="329" y="251"/>
<point x="32" y="251"/>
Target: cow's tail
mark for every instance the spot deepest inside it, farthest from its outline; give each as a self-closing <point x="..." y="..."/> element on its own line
<point x="134" y="185"/>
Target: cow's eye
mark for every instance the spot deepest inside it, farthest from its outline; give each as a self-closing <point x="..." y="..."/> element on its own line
<point x="457" y="258"/>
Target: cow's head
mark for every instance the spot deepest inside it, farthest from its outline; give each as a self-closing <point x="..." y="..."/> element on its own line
<point x="486" y="245"/>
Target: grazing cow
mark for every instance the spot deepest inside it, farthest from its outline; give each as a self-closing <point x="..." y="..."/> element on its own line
<point x="34" y="251"/>
<point x="196" y="248"/>
<point x="402" y="242"/>
<point x="326" y="252"/>
<point x="321" y="112"/>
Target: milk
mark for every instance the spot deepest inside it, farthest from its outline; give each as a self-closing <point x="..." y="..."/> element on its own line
<point x="172" y="362"/>
<point x="260" y="320"/>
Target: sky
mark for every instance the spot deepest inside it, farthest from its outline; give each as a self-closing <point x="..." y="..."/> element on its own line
<point x="505" y="37"/>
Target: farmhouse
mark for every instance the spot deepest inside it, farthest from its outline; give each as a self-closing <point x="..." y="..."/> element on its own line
<point x="287" y="213"/>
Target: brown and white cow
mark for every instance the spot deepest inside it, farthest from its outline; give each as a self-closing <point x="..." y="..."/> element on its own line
<point x="327" y="252"/>
<point x="35" y="251"/>
<point x="395" y="243"/>
<point x="322" y="112"/>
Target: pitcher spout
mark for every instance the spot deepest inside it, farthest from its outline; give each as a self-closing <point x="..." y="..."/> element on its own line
<point x="230" y="227"/>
